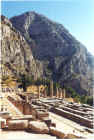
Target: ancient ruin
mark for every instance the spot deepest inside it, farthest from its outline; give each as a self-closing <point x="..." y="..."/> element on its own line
<point x="46" y="78"/>
<point x="31" y="112"/>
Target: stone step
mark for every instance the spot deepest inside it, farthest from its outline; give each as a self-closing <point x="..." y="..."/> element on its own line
<point x="11" y="108"/>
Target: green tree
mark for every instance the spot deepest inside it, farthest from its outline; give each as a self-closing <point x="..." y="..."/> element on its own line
<point x="83" y="99"/>
<point x="90" y="100"/>
<point x="72" y="92"/>
<point x="23" y="82"/>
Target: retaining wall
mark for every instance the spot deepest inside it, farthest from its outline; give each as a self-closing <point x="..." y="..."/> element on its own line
<point x="25" y="108"/>
<point x="73" y="117"/>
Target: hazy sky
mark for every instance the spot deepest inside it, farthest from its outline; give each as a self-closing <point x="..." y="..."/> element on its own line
<point x="76" y="15"/>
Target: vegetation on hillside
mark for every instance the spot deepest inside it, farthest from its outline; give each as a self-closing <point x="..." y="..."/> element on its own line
<point x="79" y="98"/>
<point x="27" y="80"/>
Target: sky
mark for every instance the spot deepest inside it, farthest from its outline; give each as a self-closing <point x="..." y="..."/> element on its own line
<point x="76" y="15"/>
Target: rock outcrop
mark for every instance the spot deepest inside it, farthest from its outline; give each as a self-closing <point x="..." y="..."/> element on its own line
<point x="64" y="59"/>
<point x="16" y="53"/>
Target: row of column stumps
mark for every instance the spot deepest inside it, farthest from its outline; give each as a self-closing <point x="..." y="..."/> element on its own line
<point x="60" y="93"/>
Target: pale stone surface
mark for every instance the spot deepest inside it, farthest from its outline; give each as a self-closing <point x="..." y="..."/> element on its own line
<point x="38" y="127"/>
<point x="60" y="133"/>
<point x="71" y="136"/>
<point x="56" y="132"/>
<point x="69" y="127"/>
<point x="22" y="135"/>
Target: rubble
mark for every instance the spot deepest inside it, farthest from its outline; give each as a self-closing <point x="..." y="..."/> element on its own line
<point x="38" y="127"/>
<point x="31" y="113"/>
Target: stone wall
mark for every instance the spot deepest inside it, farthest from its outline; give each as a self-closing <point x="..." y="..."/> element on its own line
<point x="73" y="117"/>
<point x="25" y="108"/>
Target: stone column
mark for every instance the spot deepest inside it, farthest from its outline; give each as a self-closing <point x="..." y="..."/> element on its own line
<point x="38" y="92"/>
<point x="45" y="94"/>
<point x="27" y="99"/>
<point x="51" y="88"/>
<point x="61" y="94"/>
<point x="57" y="93"/>
<point x="64" y="93"/>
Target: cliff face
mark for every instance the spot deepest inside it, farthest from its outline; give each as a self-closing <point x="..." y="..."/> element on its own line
<point x="16" y="53"/>
<point x="64" y="59"/>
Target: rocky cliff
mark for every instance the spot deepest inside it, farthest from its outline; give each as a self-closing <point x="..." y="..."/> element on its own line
<point x="64" y="59"/>
<point x="16" y="53"/>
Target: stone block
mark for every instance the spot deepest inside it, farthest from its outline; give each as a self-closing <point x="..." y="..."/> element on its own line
<point x="56" y="132"/>
<point x="60" y="134"/>
<point x="17" y="124"/>
<point x="38" y="127"/>
<point x="47" y="121"/>
<point x="72" y="136"/>
<point x="2" y="123"/>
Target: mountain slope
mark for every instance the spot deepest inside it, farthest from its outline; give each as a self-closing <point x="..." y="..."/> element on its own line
<point x="64" y="59"/>
<point x="16" y="54"/>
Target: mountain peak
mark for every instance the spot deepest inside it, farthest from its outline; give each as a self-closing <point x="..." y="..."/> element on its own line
<point x="5" y="20"/>
<point x="64" y="59"/>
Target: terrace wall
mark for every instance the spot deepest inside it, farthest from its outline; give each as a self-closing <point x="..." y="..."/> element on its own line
<point x="73" y="117"/>
<point x="25" y="108"/>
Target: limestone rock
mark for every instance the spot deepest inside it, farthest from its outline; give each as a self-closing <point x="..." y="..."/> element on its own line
<point x="17" y="124"/>
<point x="64" y="59"/>
<point x="16" y="53"/>
<point x="72" y="136"/>
<point x="60" y="134"/>
<point x="38" y="127"/>
<point x="56" y="132"/>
